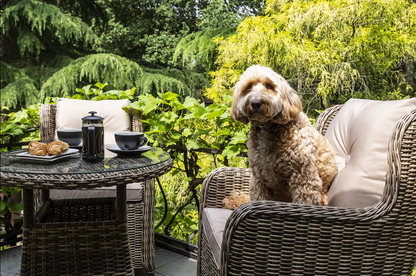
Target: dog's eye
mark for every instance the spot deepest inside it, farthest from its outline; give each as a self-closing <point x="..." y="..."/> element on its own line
<point x="269" y="86"/>
<point x="249" y="87"/>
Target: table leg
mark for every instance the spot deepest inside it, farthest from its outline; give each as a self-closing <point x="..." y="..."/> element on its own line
<point x="44" y="195"/>
<point x="121" y="206"/>
<point x="27" y="207"/>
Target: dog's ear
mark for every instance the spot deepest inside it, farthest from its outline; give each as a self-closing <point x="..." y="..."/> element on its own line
<point x="237" y="115"/>
<point x="292" y="105"/>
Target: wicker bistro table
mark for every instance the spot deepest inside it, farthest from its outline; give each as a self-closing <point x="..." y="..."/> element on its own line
<point x="78" y="236"/>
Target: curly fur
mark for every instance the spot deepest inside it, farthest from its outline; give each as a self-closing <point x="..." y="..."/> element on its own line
<point x="235" y="199"/>
<point x="289" y="160"/>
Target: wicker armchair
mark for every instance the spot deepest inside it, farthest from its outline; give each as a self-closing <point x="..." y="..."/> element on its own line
<point x="277" y="238"/>
<point x="140" y="214"/>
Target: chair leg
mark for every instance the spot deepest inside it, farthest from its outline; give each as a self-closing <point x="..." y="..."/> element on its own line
<point x="148" y="225"/>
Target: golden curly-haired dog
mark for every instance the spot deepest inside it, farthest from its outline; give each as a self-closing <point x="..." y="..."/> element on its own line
<point x="289" y="160"/>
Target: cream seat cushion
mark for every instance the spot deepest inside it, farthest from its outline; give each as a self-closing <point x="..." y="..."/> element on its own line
<point x="360" y="134"/>
<point x="69" y="113"/>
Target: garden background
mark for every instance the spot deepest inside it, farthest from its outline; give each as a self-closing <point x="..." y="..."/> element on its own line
<point x="177" y="61"/>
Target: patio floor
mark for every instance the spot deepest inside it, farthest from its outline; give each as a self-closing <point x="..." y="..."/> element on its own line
<point x="167" y="263"/>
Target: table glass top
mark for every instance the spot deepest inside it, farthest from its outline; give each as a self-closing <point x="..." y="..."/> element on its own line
<point x="74" y="164"/>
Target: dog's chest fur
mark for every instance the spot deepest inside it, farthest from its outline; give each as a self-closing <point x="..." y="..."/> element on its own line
<point x="274" y="152"/>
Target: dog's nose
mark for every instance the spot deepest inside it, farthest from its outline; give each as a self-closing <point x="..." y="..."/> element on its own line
<point x="256" y="104"/>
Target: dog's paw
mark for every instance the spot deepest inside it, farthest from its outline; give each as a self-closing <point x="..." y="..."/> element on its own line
<point x="235" y="199"/>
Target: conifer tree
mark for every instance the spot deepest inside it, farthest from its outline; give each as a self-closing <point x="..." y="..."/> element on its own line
<point x="38" y="39"/>
<point x="219" y="19"/>
<point x="52" y="47"/>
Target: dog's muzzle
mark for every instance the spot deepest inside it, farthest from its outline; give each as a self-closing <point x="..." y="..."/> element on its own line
<point x="255" y="104"/>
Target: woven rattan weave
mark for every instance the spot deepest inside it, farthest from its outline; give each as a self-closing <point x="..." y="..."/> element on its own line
<point x="86" y="236"/>
<point x="139" y="214"/>
<point x="276" y="238"/>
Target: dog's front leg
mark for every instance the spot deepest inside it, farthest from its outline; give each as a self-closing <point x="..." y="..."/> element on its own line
<point x="305" y="186"/>
<point x="258" y="190"/>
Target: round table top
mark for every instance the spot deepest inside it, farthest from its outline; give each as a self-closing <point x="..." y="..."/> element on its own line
<point x="74" y="173"/>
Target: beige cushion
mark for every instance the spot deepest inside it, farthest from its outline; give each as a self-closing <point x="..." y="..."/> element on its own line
<point x="134" y="193"/>
<point x="69" y="113"/>
<point x="360" y="134"/>
<point x="213" y="221"/>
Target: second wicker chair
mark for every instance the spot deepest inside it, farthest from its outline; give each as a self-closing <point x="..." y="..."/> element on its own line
<point x="277" y="238"/>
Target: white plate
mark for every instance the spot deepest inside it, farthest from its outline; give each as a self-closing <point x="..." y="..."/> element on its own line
<point x="138" y="151"/>
<point x="27" y="155"/>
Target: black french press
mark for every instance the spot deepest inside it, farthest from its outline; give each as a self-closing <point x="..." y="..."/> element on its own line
<point x="92" y="138"/>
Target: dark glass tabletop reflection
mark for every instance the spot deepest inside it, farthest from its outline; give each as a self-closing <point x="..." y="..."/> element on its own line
<point x="75" y="165"/>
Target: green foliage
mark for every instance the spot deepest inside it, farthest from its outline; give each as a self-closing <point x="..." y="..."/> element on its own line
<point x="20" y="126"/>
<point x="328" y="50"/>
<point x="182" y="82"/>
<point x="200" y="48"/>
<point x="161" y="46"/>
<point x="98" y="94"/>
<point x="7" y="208"/>
<point x="227" y="14"/>
<point x="35" y="19"/>
<point x="190" y="123"/>
<point x="150" y="30"/>
<point x="218" y="20"/>
<point x="20" y="86"/>
<point x="120" y="71"/>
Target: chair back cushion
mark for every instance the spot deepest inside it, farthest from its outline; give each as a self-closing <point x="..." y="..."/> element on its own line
<point x="69" y="113"/>
<point x="360" y="134"/>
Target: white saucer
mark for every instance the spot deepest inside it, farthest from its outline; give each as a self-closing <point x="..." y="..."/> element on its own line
<point x="116" y="149"/>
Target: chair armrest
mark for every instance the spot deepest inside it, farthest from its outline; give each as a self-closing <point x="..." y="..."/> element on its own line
<point x="280" y="233"/>
<point x="220" y="183"/>
<point x="326" y="117"/>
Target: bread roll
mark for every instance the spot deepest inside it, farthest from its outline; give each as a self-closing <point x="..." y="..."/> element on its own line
<point x="37" y="148"/>
<point x="63" y="144"/>
<point x="55" y="148"/>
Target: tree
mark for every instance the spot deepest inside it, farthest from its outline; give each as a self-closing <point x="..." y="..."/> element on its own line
<point x="149" y="30"/>
<point x="329" y="51"/>
<point x="219" y="19"/>
<point x="41" y="38"/>
<point x="52" y="47"/>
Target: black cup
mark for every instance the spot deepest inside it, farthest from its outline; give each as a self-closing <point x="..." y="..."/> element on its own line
<point x="71" y="136"/>
<point x="130" y="140"/>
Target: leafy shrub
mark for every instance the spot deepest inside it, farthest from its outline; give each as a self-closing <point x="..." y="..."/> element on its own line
<point x="182" y="128"/>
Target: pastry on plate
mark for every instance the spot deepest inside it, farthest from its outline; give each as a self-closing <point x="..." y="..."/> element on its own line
<point x="64" y="144"/>
<point x="38" y="148"/>
<point x="55" y="148"/>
